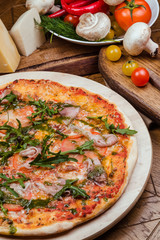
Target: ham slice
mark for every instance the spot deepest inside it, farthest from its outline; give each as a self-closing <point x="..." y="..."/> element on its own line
<point x="3" y="93"/>
<point x="111" y="139"/>
<point x="95" y="171"/>
<point x="98" y="139"/>
<point x="70" y="112"/>
<point x="106" y="140"/>
<point x="31" y="152"/>
<point x="51" y="189"/>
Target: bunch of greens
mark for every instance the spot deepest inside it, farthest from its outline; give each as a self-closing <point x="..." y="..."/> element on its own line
<point x="58" y="26"/>
<point x="42" y="109"/>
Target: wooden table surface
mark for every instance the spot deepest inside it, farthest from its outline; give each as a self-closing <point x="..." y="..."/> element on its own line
<point x="143" y="221"/>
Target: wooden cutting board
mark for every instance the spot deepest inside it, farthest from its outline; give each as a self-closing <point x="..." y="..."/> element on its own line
<point x="145" y="99"/>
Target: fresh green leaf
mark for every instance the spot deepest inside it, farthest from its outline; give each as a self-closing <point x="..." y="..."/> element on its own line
<point x="73" y="211"/>
<point x="88" y="145"/>
<point x="12" y="229"/>
<point x="36" y="203"/>
<point x="7" y="181"/>
<point x="16" y="138"/>
<point x="4" y="210"/>
<point x="75" y="191"/>
<point x="96" y="172"/>
<point x="127" y="131"/>
<point x="12" y="102"/>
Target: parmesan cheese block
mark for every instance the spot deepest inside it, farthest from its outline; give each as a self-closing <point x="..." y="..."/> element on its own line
<point x="26" y="34"/>
<point x="9" y="56"/>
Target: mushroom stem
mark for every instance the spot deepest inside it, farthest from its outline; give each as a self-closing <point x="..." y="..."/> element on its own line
<point x="152" y="48"/>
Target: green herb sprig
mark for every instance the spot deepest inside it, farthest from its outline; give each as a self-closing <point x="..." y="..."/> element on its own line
<point x="12" y="102"/>
<point x="75" y="191"/>
<point x="112" y="128"/>
<point x="17" y="139"/>
<point x="42" y="109"/>
<point x="57" y="25"/>
<point x="7" y="181"/>
<point x="46" y="158"/>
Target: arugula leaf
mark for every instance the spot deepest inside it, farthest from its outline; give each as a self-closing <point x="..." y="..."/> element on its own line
<point x="114" y="129"/>
<point x="75" y="191"/>
<point x="10" y="97"/>
<point x="7" y="181"/>
<point x="88" y="145"/>
<point x="17" y="139"/>
<point x="46" y="162"/>
<point x="46" y="158"/>
<point x="35" y="203"/>
<point x="99" y="117"/>
<point x="12" y="101"/>
<point x="5" y="155"/>
<point x="12" y="229"/>
<point x="11" y="190"/>
<point x="42" y="109"/>
<point x="127" y="131"/>
<point x="4" y="210"/>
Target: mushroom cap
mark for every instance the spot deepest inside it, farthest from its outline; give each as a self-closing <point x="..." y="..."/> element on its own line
<point x="93" y="27"/>
<point x="42" y="6"/>
<point x="113" y="2"/>
<point x="136" y="38"/>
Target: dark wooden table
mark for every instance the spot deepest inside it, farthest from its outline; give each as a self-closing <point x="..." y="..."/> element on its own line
<point x="143" y="221"/>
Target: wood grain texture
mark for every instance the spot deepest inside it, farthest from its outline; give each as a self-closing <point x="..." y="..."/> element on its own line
<point x="145" y="99"/>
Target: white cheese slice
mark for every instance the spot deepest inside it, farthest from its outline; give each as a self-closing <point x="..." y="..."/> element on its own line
<point x="9" y="56"/>
<point x="26" y="34"/>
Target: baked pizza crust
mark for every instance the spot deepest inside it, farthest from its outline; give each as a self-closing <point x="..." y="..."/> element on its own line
<point x="131" y="161"/>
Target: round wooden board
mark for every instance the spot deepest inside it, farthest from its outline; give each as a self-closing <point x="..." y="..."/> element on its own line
<point x="108" y="219"/>
<point x="145" y="99"/>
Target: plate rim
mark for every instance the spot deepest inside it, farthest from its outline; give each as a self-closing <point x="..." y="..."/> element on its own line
<point x="79" y="81"/>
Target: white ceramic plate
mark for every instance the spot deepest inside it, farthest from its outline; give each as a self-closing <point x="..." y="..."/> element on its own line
<point x="154" y="5"/>
<point x="140" y="175"/>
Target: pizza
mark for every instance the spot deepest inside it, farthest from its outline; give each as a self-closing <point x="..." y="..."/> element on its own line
<point x="66" y="155"/>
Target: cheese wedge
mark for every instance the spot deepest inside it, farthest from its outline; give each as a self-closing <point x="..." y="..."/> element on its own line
<point x="9" y="56"/>
<point x="26" y="34"/>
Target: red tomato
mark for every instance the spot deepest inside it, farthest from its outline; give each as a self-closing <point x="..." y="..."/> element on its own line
<point x="13" y="207"/>
<point x="73" y="19"/>
<point x="132" y="11"/>
<point x="140" y="77"/>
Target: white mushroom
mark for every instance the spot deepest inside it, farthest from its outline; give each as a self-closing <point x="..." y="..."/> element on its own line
<point x="137" y="39"/>
<point x="43" y="6"/>
<point x="54" y="9"/>
<point x="93" y="27"/>
<point x="113" y="2"/>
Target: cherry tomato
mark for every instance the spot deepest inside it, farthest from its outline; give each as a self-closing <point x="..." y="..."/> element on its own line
<point x="73" y="19"/>
<point x="128" y="67"/>
<point x="113" y="53"/>
<point x="132" y="11"/>
<point x="110" y="35"/>
<point x="140" y="77"/>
